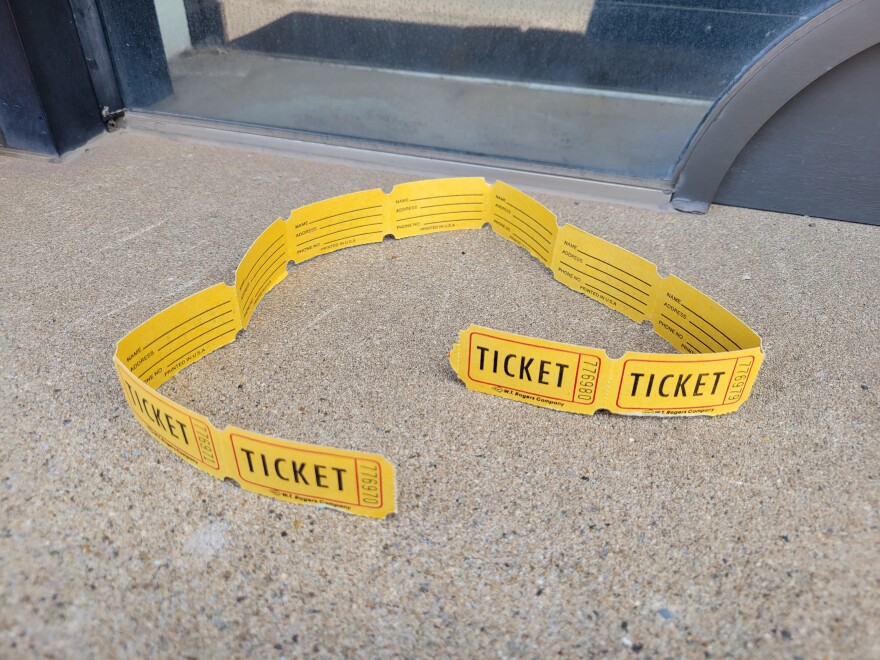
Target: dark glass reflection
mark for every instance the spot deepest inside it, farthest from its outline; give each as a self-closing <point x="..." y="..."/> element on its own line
<point x="607" y="86"/>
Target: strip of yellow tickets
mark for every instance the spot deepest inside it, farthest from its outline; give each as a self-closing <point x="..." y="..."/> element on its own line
<point x="719" y="361"/>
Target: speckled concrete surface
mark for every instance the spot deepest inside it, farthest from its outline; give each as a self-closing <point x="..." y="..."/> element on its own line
<point x="521" y="531"/>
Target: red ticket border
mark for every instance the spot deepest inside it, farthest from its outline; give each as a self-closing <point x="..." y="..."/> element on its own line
<point x="735" y="360"/>
<point x="748" y="376"/>
<point x="200" y="458"/>
<point x="232" y="437"/>
<point x="549" y="348"/>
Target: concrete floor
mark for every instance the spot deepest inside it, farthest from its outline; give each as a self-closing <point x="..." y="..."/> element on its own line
<point x="521" y="531"/>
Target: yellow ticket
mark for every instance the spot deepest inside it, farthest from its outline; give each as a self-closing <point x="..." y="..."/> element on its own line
<point x="584" y="380"/>
<point x="713" y="374"/>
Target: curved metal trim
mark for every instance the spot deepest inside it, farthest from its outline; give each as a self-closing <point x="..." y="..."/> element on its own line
<point x="833" y="36"/>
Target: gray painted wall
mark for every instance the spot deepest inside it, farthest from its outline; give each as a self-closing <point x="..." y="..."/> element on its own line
<point x="820" y="154"/>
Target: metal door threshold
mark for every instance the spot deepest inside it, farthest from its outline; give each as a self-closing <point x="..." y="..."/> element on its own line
<point x="619" y="190"/>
